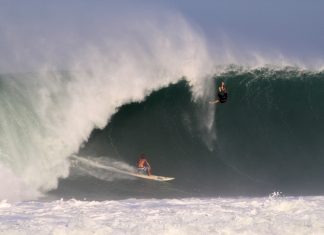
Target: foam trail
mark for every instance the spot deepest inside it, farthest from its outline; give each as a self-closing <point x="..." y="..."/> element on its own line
<point x="118" y="169"/>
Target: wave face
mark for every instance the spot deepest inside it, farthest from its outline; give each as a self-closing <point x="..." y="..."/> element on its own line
<point x="272" y="128"/>
<point x="267" y="137"/>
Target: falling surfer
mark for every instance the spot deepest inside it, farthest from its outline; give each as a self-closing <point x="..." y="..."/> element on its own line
<point x="221" y="93"/>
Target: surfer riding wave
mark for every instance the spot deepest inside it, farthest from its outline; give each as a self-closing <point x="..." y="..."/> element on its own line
<point x="143" y="166"/>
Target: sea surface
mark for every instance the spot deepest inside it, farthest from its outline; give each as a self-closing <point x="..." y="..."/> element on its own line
<point x="86" y="87"/>
<point x="266" y="215"/>
<point x="253" y="165"/>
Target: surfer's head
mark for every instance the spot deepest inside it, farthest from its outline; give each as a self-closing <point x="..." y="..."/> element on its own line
<point x="142" y="156"/>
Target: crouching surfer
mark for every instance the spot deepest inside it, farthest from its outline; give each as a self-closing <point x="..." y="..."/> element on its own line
<point x="143" y="166"/>
<point x="221" y="93"/>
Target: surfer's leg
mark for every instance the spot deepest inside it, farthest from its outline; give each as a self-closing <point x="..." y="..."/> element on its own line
<point x="141" y="171"/>
<point x="147" y="170"/>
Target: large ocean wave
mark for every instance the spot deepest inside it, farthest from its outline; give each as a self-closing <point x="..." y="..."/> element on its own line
<point x="267" y="137"/>
<point x="144" y="86"/>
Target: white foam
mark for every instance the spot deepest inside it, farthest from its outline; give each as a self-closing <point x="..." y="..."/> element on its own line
<point x="168" y="216"/>
<point x="13" y="187"/>
<point x="103" y="168"/>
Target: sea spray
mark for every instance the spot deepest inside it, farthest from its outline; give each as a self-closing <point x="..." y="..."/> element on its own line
<point x="47" y="115"/>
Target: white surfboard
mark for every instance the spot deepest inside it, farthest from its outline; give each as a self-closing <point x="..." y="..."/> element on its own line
<point x="110" y="168"/>
<point x="151" y="177"/>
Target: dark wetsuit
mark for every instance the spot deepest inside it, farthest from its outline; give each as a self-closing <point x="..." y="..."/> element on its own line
<point x="222" y="96"/>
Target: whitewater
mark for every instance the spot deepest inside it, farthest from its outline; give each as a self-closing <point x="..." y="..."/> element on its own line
<point x="47" y="115"/>
<point x="271" y="215"/>
<point x="84" y="86"/>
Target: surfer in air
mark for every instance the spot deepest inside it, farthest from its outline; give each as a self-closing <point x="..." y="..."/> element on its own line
<point x="143" y="166"/>
<point x="221" y="93"/>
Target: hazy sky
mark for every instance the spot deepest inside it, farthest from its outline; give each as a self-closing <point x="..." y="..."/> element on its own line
<point x="291" y="26"/>
<point x="294" y="28"/>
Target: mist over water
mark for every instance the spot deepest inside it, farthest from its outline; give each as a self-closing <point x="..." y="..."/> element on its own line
<point x="46" y="114"/>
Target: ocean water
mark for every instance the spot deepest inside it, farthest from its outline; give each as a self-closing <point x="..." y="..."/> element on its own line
<point x="106" y="94"/>
<point x="267" y="215"/>
<point x="266" y="138"/>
